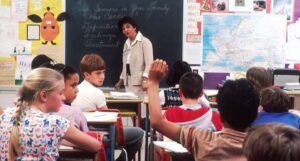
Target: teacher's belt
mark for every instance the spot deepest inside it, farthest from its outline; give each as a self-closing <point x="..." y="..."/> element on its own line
<point x="128" y="73"/>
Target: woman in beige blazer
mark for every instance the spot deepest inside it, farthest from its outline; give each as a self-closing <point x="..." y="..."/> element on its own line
<point x="137" y="58"/>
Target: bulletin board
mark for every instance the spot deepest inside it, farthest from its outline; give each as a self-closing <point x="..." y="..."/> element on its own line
<point x="22" y="39"/>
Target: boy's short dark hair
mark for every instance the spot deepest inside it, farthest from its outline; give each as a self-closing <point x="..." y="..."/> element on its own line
<point x="39" y="60"/>
<point x="272" y="142"/>
<point x="127" y="19"/>
<point x="274" y="100"/>
<point x="191" y="85"/>
<point x="238" y="103"/>
<point x="91" y="62"/>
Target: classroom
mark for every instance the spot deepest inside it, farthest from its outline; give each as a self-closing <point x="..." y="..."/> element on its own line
<point x="115" y="62"/>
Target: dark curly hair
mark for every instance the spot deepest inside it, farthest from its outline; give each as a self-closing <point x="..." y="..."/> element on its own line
<point x="65" y="70"/>
<point x="39" y="60"/>
<point x="127" y="19"/>
<point x="238" y="103"/>
<point x="177" y="70"/>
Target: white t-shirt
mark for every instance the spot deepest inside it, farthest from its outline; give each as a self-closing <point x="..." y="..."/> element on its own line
<point x="89" y="97"/>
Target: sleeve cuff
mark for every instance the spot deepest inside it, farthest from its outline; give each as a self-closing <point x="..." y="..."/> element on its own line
<point x="145" y="75"/>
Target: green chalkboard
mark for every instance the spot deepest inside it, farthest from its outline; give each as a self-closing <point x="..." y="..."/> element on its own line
<point x="92" y="27"/>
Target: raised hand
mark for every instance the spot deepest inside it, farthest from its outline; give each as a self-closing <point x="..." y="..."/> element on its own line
<point x="158" y="70"/>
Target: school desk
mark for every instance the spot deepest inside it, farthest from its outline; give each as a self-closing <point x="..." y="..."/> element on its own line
<point x="127" y="107"/>
<point x="295" y="95"/>
<point x="174" y="150"/>
<point x="104" y="120"/>
<point x="67" y="153"/>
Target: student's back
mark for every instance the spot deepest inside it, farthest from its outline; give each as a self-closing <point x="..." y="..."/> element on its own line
<point x="275" y="104"/>
<point x="191" y="113"/>
<point x="238" y="105"/>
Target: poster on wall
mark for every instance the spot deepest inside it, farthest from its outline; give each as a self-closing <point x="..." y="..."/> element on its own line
<point x="259" y="6"/>
<point x="192" y="29"/>
<point x="235" y="42"/>
<point x="220" y="6"/>
<point x="23" y="66"/>
<point x="7" y="71"/>
<point x="19" y="10"/>
<point x="240" y="5"/>
<point x="283" y="7"/>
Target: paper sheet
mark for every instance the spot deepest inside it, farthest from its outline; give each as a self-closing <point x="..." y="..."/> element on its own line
<point x="101" y="116"/>
<point x="7" y="71"/>
<point x="19" y="10"/>
<point x="23" y="66"/>
<point x="171" y="146"/>
<point x="5" y="12"/>
<point x="8" y="36"/>
<point x="21" y="47"/>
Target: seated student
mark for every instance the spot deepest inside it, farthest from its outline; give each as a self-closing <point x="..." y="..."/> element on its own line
<point x="191" y="112"/>
<point x="71" y="78"/>
<point x="91" y="98"/>
<point x="275" y="104"/>
<point x="28" y="131"/>
<point x="74" y="114"/>
<point x="259" y="77"/>
<point x="170" y="97"/>
<point x="39" y="60"/>
<point x="237" y="102"/>
<point x="272" y="142"/>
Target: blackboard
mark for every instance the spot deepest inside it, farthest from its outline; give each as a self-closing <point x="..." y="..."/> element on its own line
<point x="92" y="27"/>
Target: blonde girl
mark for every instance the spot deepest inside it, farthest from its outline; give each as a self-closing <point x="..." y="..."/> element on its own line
<point x="28" y="131"/>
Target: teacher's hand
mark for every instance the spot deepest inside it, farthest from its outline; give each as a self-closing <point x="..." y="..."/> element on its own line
<point x="118" y="84"/>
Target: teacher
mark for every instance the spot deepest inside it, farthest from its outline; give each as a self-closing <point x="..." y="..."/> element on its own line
<point x="137" y="58"/>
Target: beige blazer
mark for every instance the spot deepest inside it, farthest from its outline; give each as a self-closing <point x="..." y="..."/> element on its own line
<point x="140" y="61"/>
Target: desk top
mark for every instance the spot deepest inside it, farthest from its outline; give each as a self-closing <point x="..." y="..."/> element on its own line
<point x="101" y="117"/>
<point x="111" y="100"/>
<point x="292" y="92"/>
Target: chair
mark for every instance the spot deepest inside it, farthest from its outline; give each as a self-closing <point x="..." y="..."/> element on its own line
<point x="120" y="139"/>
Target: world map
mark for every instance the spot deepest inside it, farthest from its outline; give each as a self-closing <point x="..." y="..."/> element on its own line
<point x="236" y="42"/>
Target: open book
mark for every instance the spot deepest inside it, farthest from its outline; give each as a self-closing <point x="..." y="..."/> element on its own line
<point x="101" y="116"/>
<point x="123" y="95"/>
<point x="171" y="146"/>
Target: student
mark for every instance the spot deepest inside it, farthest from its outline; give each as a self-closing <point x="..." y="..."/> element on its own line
<point x="191" y="112"/>
<point x="91" y="98"/>
<point x="275" y="104"/>
<point x="170" y="96"/>
<point x="272" y="142"/>
<point x="259" y="77"/>
<point x="237" y="102"/>
<point x="72" y="113"/>
<point x="39" y="60"/>
<point x="71" y="79"/>
<point x="29" y="132"/>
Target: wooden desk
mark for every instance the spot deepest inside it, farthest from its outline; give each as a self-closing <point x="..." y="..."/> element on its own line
<point x="127" y="107"/>
<point x="295" y="94"/>
<point x="66" y="153"/>
<point x="102" y="121"/>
